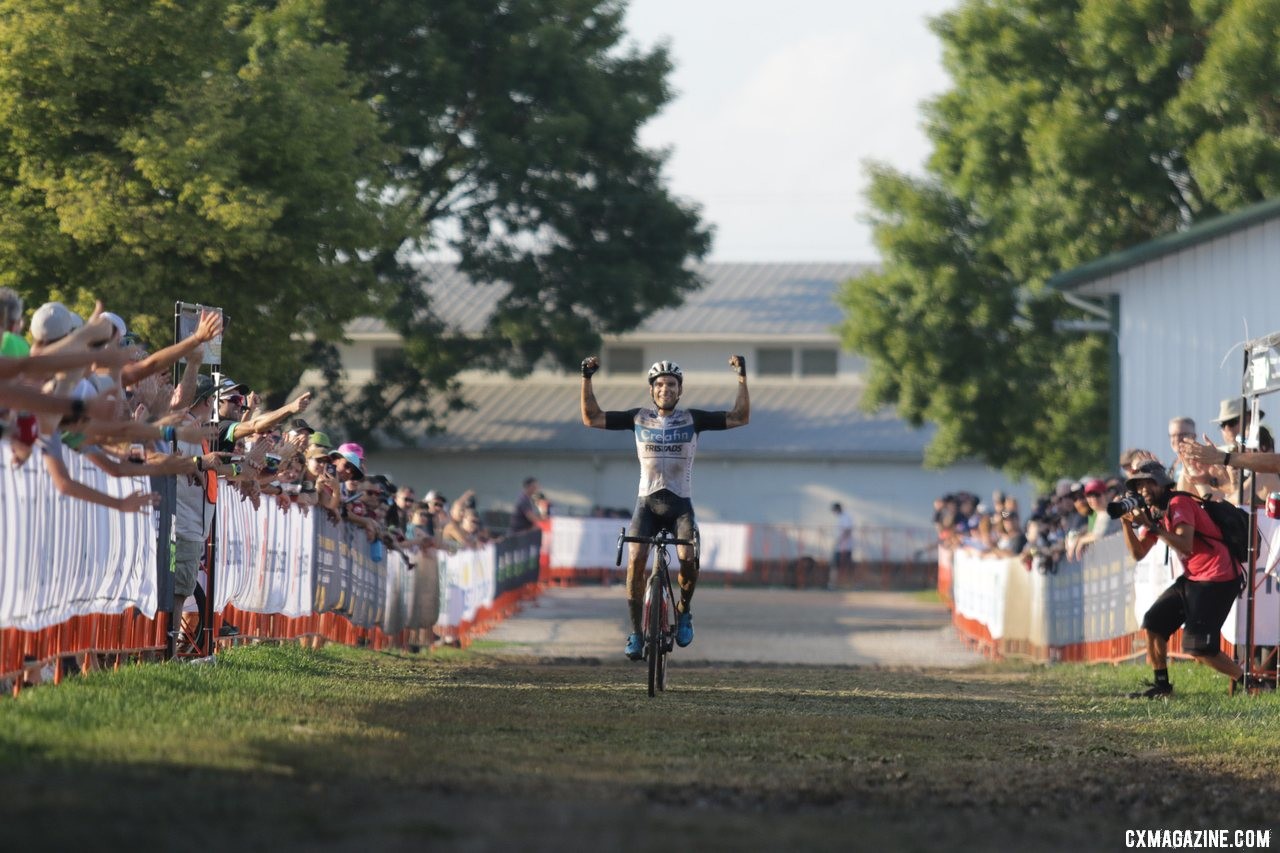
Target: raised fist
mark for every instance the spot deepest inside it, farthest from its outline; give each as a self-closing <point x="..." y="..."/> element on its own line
<point x="739" y="364"/>
<point x="590" y="365"/>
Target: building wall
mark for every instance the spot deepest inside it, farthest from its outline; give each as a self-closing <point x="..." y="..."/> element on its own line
<point x="700" y="360"/>
<point x="1182" y="319"/>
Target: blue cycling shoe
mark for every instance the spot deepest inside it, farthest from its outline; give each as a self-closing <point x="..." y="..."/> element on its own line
<point x="635" y="647"/>
<point x="684" y="629"/>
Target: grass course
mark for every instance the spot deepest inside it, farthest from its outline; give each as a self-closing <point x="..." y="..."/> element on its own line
<point x="280" y="748"/>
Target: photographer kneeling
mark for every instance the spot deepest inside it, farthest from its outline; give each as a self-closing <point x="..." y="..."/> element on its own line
<point x="1202" y="596"/>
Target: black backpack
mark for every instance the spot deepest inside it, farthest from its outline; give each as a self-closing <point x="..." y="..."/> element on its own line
<point x="1232" y="521"/>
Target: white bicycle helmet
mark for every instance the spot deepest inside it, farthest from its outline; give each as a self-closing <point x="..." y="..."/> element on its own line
<point x="665" y="368"/>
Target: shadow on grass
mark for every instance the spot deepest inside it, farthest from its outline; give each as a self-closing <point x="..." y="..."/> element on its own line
<point x="563" y="756"/>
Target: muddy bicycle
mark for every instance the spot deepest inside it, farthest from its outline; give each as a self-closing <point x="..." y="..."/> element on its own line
<point x="658" y="623"/>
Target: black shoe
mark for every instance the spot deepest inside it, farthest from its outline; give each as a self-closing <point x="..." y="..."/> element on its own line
<point x="228" y="630"/>
<point x="1153" y="691"/>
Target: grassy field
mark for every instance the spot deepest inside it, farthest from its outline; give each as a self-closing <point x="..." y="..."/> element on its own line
<point x="278" y="748"/>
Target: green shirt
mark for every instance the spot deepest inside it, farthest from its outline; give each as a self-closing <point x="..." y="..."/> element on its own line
<point x="14" y="346"/>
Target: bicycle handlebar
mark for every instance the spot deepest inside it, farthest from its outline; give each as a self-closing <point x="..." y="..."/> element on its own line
<point x="662" y="538"/>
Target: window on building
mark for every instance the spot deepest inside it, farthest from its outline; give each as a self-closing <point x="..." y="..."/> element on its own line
<point x="386" y="358"/>
<point x="817" y="362"/>
<point x="623" y="360"/>
<point x="772" y="361"/>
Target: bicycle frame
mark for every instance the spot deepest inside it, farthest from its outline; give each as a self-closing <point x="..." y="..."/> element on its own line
<point x="658" y="620"/>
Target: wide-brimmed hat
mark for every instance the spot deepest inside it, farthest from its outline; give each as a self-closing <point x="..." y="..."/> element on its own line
<point x="1230" y="410"/>
<point x="1153" y="471"/>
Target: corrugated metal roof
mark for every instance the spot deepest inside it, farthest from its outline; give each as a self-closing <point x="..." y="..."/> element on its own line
<point x="787" y="418"/>
<point x="738" y="299"/>
<point x="1167" y="244"/>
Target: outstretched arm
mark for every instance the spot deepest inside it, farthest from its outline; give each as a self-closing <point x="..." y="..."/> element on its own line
<point x="43" y="365"/>
<point x="592" y="414"/>
<point x="262" y="423"/>
<point x="209" y="327"/>
<point x="740" y="414"/>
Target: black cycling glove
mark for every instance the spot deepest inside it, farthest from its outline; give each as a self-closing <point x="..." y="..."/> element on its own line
<point x="588" y="368"/>
<point x="742" y="365"/>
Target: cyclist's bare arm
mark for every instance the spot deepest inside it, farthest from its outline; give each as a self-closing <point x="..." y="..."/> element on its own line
<point x="592" y="414"/>
<point x="740" y="414"/>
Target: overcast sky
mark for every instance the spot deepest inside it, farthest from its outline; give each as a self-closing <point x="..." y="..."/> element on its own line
<point x="778" y="105"/>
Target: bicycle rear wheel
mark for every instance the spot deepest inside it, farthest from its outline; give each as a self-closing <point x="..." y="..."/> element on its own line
<point x="664" y="639"/>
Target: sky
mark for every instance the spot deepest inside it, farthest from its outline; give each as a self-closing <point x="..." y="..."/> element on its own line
<point x="779" y="105"/>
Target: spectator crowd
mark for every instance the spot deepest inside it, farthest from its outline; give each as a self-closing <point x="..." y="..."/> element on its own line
<point x="1063" y="523"/>
<point x="93" y="387"/>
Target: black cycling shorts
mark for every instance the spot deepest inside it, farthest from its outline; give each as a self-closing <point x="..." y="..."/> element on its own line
<point x="1202" y="605"/>
<point x="663" y="510"/>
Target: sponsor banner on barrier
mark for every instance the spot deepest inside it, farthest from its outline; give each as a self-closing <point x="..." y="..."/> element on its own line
<point x="424" y="591"/>
<point x="516" y="558"/>
<point x="978" y="587"/>
<point x="1152" y="576"/>
<point x="398" y="593"/>
<point x="467" y="583"/>
<point x="592" y="543"/>
<point x="61" y="557"/>
<point x="1108" y="591"/>
<point x="264" y="557"/>
<point x="346" y="579"/>
<point x="1266" y="590"/>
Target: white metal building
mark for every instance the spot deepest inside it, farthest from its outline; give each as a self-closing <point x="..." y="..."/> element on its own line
<point x="1183" y="305"/>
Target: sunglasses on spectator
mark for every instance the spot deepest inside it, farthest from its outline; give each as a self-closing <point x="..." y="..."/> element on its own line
<point x="234" y="400"/>
<point x="1231" y="424"/>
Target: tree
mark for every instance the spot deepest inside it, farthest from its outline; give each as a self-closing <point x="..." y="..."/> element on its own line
<point x="205" y="151"/>
<point x="1072" y="130"/>
<point x="515" y="124"/>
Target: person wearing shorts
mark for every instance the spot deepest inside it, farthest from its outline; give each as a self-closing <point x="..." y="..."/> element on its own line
<point x="666" y="441"/>
<point x="1201" y="598"/>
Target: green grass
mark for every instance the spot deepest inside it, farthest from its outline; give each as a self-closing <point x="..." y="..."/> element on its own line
<point x="284" y="748"/>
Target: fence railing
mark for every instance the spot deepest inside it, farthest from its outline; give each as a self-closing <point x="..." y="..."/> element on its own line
<point x="1089" y="609"/>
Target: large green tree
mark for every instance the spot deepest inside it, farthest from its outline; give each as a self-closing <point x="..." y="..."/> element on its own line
<point x="204" y="151"/>
<point x="1071" y="130"/>
<point x="294" y="160"/>
<point x="516" y="127"/>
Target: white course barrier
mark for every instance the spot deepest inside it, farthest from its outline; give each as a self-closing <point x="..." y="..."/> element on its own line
<point x="592" y="543"/>
<point x="61" y="557"/>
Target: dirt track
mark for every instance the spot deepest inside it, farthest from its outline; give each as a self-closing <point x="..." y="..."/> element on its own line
<point x="749" y="625"/>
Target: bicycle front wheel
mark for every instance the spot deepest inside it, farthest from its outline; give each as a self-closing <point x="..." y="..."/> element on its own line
<point x="655" y="645"/>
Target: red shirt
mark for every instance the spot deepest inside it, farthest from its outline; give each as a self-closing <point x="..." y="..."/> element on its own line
<point x="1210" y="560"/>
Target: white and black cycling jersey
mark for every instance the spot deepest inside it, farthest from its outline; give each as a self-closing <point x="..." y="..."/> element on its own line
<point x="666" y="444"/>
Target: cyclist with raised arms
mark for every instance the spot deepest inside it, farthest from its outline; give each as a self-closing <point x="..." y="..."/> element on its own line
<point x="666" y="440"/>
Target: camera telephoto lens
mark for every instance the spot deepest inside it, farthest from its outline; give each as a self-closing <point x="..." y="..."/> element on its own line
<point x="1125" y="505"/>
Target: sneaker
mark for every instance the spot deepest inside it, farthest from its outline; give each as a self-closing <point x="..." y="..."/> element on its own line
<point x="635" y="647"/>
<point x="1153" y="691"/>
<point x="228" y="630"/>
<point x="684" y="629"/>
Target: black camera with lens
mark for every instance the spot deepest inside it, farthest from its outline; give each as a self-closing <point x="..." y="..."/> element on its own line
<point x="1126" y="504"/>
